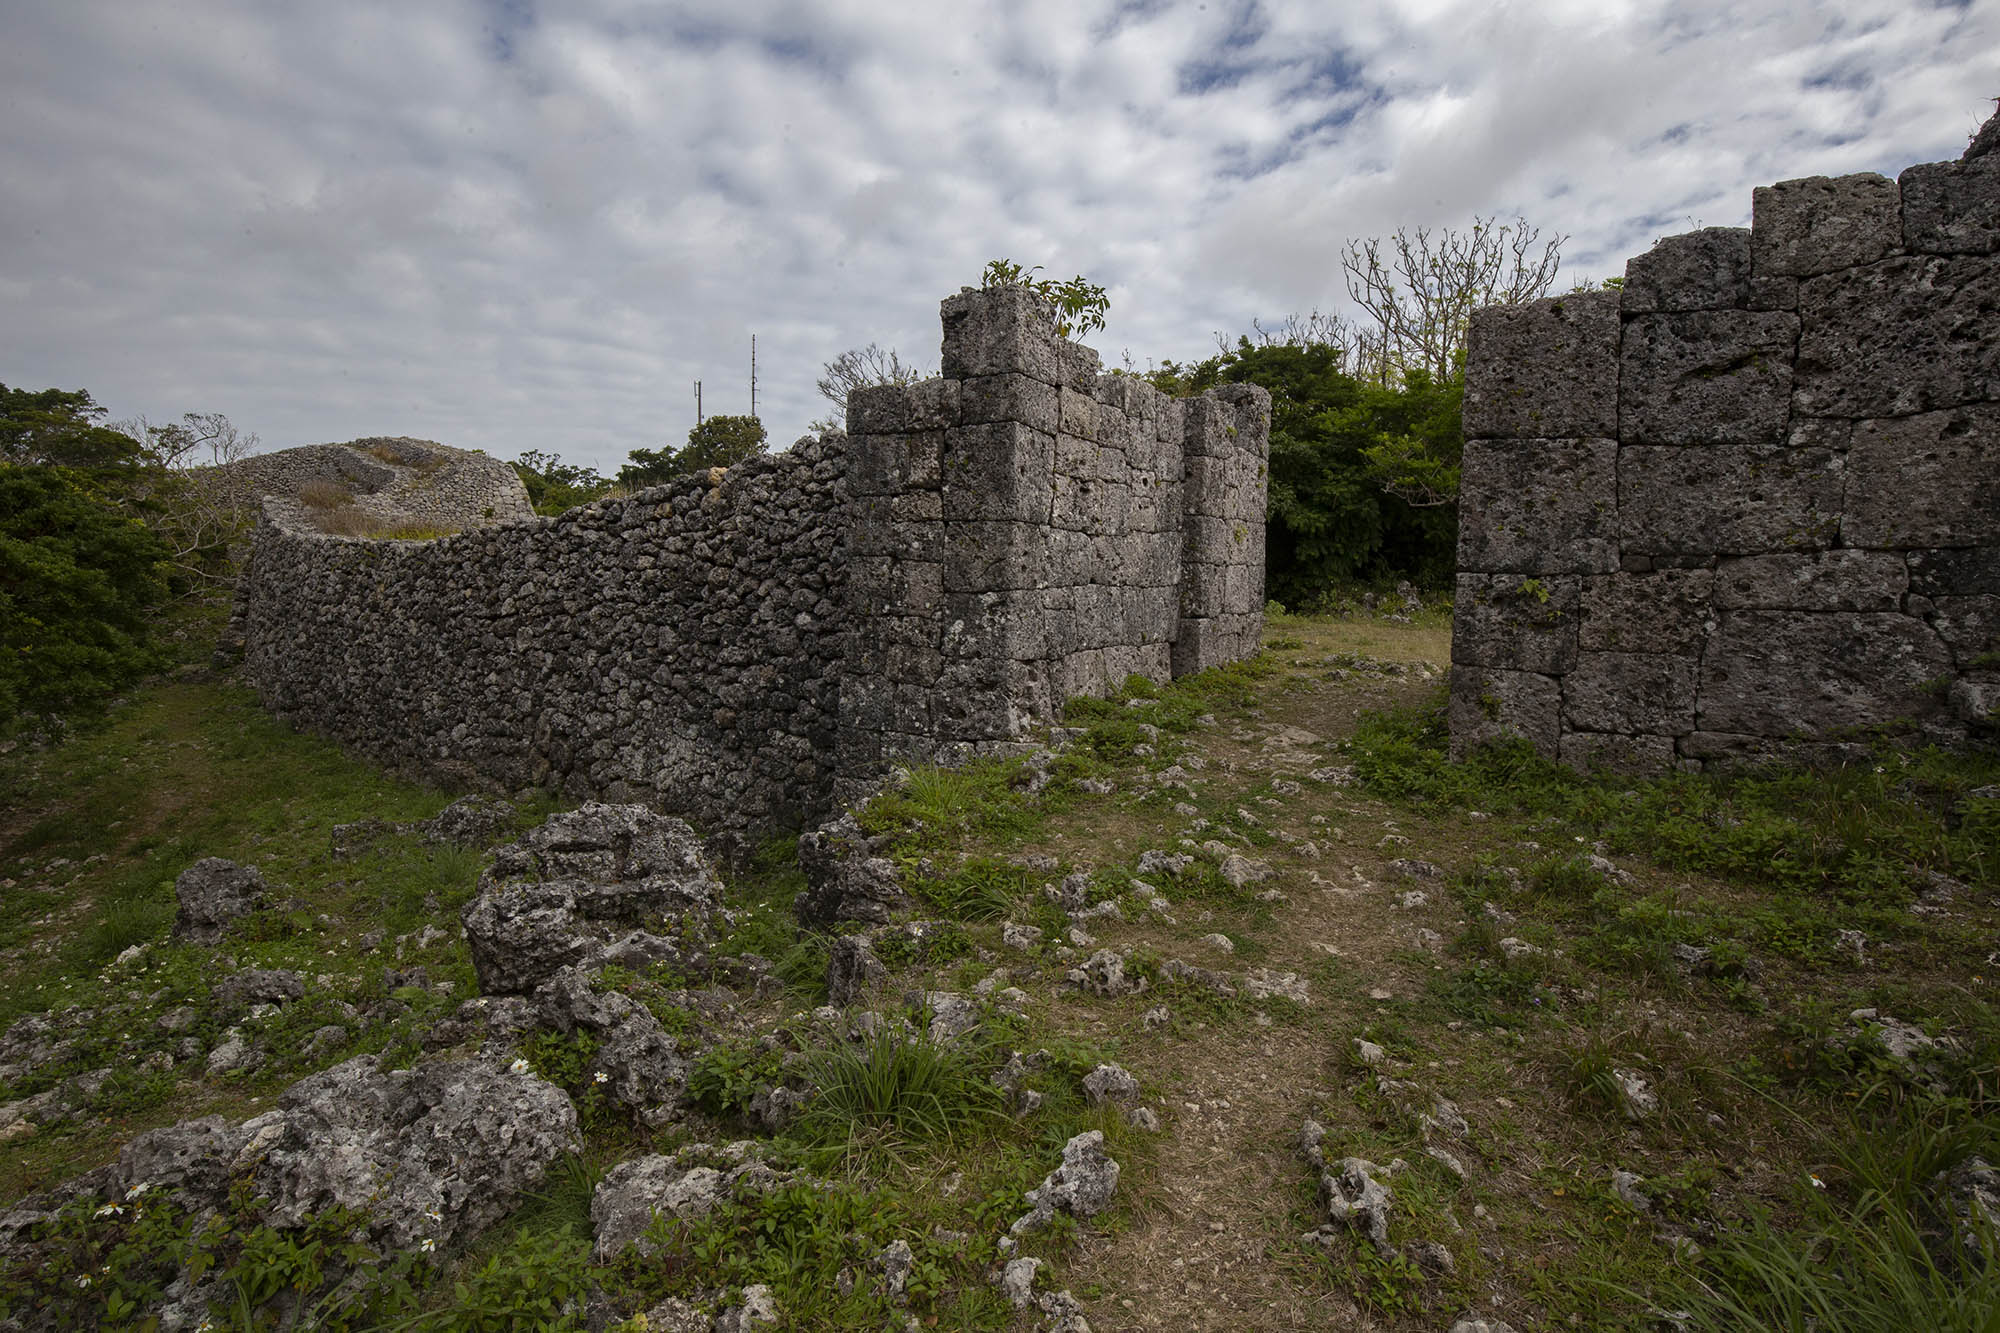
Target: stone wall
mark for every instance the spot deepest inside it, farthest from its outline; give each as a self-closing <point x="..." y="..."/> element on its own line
<point x="394" y="480"/>
<point x="983" y="546"/>
<point x="1028" y="529"/>
<point x="1749" y="505"/>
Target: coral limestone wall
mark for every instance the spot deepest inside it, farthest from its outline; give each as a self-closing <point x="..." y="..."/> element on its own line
<point x="981" y="547"/>
<point x="1751" y="503"/>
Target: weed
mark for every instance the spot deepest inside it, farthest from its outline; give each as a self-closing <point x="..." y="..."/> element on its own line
<point x="726" y="1076"/>
<point x="898" y="1088"/>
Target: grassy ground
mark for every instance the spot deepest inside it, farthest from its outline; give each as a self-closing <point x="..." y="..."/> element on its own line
<point x="1503" y="935"/>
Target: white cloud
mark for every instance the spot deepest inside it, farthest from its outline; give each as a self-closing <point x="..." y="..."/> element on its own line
<point x="509" y="225"/>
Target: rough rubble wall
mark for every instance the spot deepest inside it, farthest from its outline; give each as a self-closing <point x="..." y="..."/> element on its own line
<point x="1751" y="504"/>
<point x="395" y="479"/>
<point x="1027" y="530"/>
<point x="986" y="545"/>
<point x="681" y="647"/>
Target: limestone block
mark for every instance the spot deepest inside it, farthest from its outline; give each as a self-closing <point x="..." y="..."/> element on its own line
<point x="1842" y="580"/>
<point x="891" y="464"/>
<point x="1772" y="673"/>
<point x="1630" y="756"/>
<point x="1928" y="480"/>
<point x="1894" y="339"/>
<point x="1952" y="208"/>
<point x="1699" y="270"/>
<point x="1077" y="505"/>
<point x="1152" y="660"/>
<point x="1209" y="428"/>
<point x="1078" y="675"/>
<point x="1544" y="370"/>
<point x="1722" y="749"/>
<point x="1491" y="704"/>
<point x="1801" y="228"/>
<point x="891" y="409"/>
<point x="1666" y="611"/>
<point x="1985" y="140"/>
<point x="1077" y="367"/>
<point x="1012" y="397"/>
<point x="1130" y="396"/>
<point x="1958" y="572"/>
<point x="1221" y="540"/>
<point x="1538" y="507"/>
<point x="1079" y="413"/>
<point x="1971" y="626"/>
<point x="1212" y="641"/>
<point x="999" y="471"/>
<point x="1630" y="692"/>
<point x="896" y="525"/>
<point x="1251" y="405"/>
<point x="1075" y="457"/>
<point x="993" y="557"/>
<point x="1521" y="624"/>
<point x="1728" y="499"/>
<point x="1706" y="377"/>
<point x="1001" y="331"/>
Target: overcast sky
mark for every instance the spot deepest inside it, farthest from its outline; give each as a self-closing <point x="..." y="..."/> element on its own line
<point x="514" y="225"/>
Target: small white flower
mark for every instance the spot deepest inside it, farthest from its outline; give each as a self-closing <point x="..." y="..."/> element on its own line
<point x="111" y="1210"/>
<point x="83" y="1279"/>
<point x="518" y="1067"/>
<point x="428" y="1245"/>
<point x="601" y="1077"/>
<point x="136" y="1191"/>
<point x="1817" y="1183"/>
<point x="434" y="1215"/>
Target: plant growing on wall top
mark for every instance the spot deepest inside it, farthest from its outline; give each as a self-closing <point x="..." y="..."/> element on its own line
<point x="1079" y="305"/>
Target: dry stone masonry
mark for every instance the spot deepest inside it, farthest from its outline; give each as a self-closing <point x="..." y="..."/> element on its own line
<point x="1750" y="505"/>
<point x="979" y="548"/>
<point x="394" y="480"/>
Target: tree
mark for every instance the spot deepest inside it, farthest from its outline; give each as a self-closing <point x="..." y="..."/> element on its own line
<point x="1077" y="306"/>
<point x="1422" y="301"/>
<point x="201" y="507"/>
<point x="554" y="485"/>
<point x="721" y="441"/>
<point x="61" y="428"/>
<point x="77" y="578"/>
<point x="860" y="368"/>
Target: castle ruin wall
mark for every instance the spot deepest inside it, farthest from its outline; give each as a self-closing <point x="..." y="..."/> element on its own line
<point x="1748" y="506"/>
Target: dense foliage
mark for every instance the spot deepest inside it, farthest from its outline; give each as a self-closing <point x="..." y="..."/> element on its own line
<point x="1345" y="459"/>
<point x="554" y="485"/>
<point x="77" y="576"/>
<point x="718" y="441"/>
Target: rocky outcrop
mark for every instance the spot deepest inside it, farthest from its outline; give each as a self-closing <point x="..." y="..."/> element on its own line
<point x="213" y="892"/>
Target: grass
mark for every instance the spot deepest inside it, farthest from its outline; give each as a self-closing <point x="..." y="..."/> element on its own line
<point x="1709" y="958"/>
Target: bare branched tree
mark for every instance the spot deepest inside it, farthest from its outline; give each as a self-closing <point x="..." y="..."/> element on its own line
<point x="197" y="503"/>
<point x="859" y="368"/>
<point x="1423" y="296"/>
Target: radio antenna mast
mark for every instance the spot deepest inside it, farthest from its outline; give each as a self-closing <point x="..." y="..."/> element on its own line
<point x="753" y="377"/>
<point x="697" y="402"/>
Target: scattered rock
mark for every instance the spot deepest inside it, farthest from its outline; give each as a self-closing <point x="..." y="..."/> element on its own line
<point x="852" y="970"/>
<point x="1026" y="939"/>
<point x="1625" y="1185"/>
<point x="1174" y="864"/>
<point x="1017" y="1282"/>
<point x="1261" y="983"/>
<point x="1636" y="1099"/>
<point x="1238" y="871"/>
<point x="895" y="1263"/>
<point x="1476" y="1324"/>
<point x="1354" y="1198"/>
<point x="1110" y="1083"/>
<point x="470" y="821"/>
<point x="758" y="1310"/>
<point x="212" y="893"/>
<point x="1447" y="1119"/>
<point x="1219" y="942"/>
<point x="1432" y="1258"/>
<point x="580" y="881"/>
<point x="1421" y="871"/>
<point x="1103" y="973"/>
<point x="1368" y="1053"/>
<point x="259" y="986"/>
<point x="845" y="880"/>
<point x="1516" y="948"/>
<point x="1081" y="1187"/>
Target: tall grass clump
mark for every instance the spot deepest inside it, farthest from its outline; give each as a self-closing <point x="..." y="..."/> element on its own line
<point x="898" y="1088"/>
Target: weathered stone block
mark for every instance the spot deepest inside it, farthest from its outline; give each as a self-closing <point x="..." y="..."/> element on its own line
<point x="1131" y="396"/>
<point x="1491" y="704"/>
<point x="1013" y="397"/>
<point x="1538" y="507"/>
<point x="891" y="409"/>
<point x="999" y="471"/>
<point x="1959" y="572"/>
<point x="1727" y="499"/>
<point x="1773" y="673"/>
<point x="1078" y="414"/>
<point x="1077" y="367"/>
<point x="1208" y="428"/>
<point x="999" y="331"/>
<point x="892" y="464"/>
<point x="1800" y="228"/>
<point x="1952" y="208"/>
<point x="1630" y="692"/>
<point x="1971" y="626"/>
<point x="1629" y="756"/>
<point x="898" y="525"/>
<point x="1928" y="480"/>
<point x="1897" y="338"/>
<point x="1700" y="270"/>
<point x="1221" y="541"/>
<point x="1208" y="642"/>
<point x="1544" y="370"/>
<point x="1842" y="580"/>
<point x="1706" y="377"/>
<point x="1521" y="624"/>
<point x="993" y="557"/>
<point x="1666" y="611"/>
<point x="1007" y="624"/>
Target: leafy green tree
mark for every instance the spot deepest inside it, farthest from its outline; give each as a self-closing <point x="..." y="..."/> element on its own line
<point x="77" y="577"/>
<point x="554" y="485"/>
<point x="721" y="441"/>
<point x="63" y="428"/>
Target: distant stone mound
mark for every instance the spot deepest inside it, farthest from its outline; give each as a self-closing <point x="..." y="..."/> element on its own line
<point x="384" y="486"/>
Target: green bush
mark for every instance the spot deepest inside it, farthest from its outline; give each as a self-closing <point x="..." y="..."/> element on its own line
<point x="77" y="577"/>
